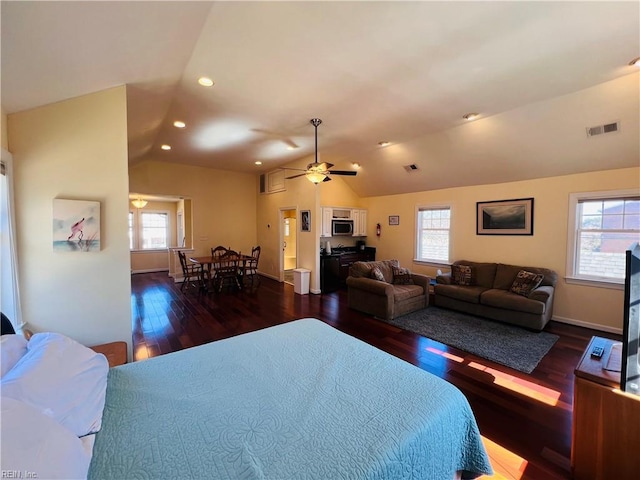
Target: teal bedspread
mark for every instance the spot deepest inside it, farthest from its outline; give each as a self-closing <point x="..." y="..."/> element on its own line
<point x="300" y="400"/>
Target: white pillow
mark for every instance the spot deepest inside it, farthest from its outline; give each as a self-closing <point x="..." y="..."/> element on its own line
<point x="34" y="443"/>
<point x="62" y="379"/>
<point x="12" y="348"/>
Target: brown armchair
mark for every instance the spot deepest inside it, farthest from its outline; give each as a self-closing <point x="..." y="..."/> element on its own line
<point x="385" y="299"/>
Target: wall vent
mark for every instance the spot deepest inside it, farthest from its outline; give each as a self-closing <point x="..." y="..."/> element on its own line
<point x="411" y="168"/>
<point x="602" y="129"/>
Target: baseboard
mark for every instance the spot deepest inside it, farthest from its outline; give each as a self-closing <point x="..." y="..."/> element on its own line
<point x="150" y="270"/>
<point x="593" y="326"/>
<point x="277" y="279"/>
<point x="315" y="291"/>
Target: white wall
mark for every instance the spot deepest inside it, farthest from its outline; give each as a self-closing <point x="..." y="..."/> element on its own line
<point x="76" y="149"/>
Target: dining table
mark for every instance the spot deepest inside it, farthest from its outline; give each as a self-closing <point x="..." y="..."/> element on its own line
<point x="206" y="263"/>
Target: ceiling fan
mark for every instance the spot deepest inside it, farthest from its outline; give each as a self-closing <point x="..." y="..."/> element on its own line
<point x="319" y="172"/>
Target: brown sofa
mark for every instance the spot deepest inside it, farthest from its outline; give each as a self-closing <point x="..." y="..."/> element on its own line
<point x="385" y="300"/>
<point x="489" y="294"/>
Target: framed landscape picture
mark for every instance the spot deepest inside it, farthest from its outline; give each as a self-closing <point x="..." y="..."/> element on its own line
<point x="505" y="217"/>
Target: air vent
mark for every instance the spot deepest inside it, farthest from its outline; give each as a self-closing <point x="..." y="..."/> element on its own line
<point x="602" y="129"/>
<point x="411" y="168"/>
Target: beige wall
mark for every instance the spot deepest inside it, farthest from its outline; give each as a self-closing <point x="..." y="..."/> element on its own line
<point x="223" y="202"/>
<point x="578" y="304"/>
<point x="154" y="261"/>
<point x="76" y="149"/>
<point x="4" y="143"/>
<point x="300" y="195"/>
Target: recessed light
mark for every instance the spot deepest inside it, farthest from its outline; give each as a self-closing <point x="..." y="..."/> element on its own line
<point x="258" y="162"/>
<point x="179" y="124"/>
<point x="355" y="165"/>
<point x="291" y="147"/>
<point x="635" y="62"/>
<point x="205" y="81"/>
<point x="165" y="147"/>
<point x="384" y="144"/>
<point x="471" y="116"/>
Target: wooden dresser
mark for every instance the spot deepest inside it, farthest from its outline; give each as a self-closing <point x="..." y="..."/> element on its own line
<point x="606" y="421"/>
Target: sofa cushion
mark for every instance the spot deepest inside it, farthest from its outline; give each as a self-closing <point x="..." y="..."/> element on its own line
<point x="376" y="274"/>
<point x="363" y="269"/>
<point x="404" y="292"/>
<point x="402" y="276"/>
<point x="506" y="274"/>
<point x="469" y="294"/>
<point x="511" y="301"/>
<point x="483" y="273"/>
<point x="462" y="274"/>
<point x="526" y="282"/>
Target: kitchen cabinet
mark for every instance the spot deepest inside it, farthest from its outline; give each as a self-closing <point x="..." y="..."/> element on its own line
<point x="347" y="259"/>
<point x="329" y="273"/>
<point x="359" y="222"/>
<point x="327" y="216"/>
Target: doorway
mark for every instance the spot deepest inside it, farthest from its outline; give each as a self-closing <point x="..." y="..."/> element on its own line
<point x="289" y="234"/>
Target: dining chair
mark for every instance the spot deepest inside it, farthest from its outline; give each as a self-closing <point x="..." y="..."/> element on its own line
<point x="226" y="270"/>
<point x="190" y="273"/>
<point x="250" y="271"/>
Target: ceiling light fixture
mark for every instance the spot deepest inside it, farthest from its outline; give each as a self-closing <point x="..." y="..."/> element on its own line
<point x="139" y="203"/>
<point x="165" y="147"/>
<point x="635" y="62"/>
<point x="471" y="116"/>
<point x="384" y="144"/>
<point x="355" y="165"/>
<point x="258" y="162"/>
<point x="315" y="174"/>
<point x="205" y="81"/>
<point x="179" y="124"/>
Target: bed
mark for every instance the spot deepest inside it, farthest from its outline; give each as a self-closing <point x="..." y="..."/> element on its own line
<point x="300" y="400"/>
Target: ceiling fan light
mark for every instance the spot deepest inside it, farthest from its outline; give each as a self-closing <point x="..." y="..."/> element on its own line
<point x="139" y="203"/>
<point x="315" y="177"/>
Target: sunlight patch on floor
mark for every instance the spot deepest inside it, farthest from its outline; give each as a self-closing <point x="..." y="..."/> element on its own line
<point x="444" y="354"/>
<point x="506" y="464"/>
<point x="520" y="385"/>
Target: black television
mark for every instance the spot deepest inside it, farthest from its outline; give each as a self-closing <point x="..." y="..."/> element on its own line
<point x="630" y="375"/>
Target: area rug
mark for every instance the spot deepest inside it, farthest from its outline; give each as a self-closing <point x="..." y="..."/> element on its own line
<point x="508" y="345"/>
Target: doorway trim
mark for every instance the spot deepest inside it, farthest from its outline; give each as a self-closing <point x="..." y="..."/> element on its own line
<point x="281" y="217"/>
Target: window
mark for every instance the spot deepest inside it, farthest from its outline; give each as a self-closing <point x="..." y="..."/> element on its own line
<point x="149" y="230"/>
<point x="433" y="237"/>
<point x="602" y="227"/>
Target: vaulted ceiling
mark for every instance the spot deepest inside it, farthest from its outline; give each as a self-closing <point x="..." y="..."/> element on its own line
<point x="538" y="74"/>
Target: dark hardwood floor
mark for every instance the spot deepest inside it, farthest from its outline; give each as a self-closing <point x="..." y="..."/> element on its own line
<point x="525" y="419"/>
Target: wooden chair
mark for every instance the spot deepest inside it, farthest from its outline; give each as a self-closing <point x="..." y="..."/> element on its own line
<point x="190" y="273"/>
<point x="226" y="270"/>
<point x="250" y="271"/>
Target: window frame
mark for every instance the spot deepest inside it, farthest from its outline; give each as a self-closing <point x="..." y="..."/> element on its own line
<point x="417" y="232"/>
<point x="137" y="230"/>
<point x="571" y="275"/>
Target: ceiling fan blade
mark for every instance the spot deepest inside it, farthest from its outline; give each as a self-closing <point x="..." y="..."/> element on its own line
<point x="343" y="172"/>
<point x="327" y="179"/>
<point x="295" y="176"/>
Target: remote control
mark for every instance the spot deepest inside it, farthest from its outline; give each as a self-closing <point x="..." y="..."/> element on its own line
<point x="597" y="351"/>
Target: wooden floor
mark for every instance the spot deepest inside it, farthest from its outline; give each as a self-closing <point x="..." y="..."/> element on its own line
<point x="525" y="420"/>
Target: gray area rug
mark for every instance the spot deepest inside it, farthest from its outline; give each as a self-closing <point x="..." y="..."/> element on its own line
<point x="507" y="345"/>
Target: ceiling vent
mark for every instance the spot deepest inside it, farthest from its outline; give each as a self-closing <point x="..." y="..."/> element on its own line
<point x="411" y="168"/>
<point x="602" y="129"/>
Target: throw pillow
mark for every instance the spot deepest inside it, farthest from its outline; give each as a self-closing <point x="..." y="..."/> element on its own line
<point x="462" y="274"/>
<point x="402" y="276"/>
<point x="376" y="274"/>
<point x="526" y="282"/>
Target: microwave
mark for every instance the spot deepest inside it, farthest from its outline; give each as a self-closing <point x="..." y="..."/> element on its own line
<point x="341" y="227"/>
